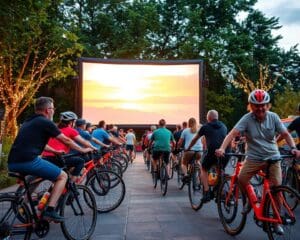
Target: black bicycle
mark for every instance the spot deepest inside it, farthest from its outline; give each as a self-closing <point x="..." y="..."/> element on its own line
<point x="19" y="216"/>
<point x="161" y="173"/>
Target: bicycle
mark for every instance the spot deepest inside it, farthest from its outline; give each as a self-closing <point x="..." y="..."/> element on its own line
<point x="19" y="217"/>
<point x="108" y="186"/>
<point x="216" y="176"/>
<point x="271" y="210"/>
<point x="178" y="169"/>
<point x="163" y="176"/>
<point x="194" y="183"/>
<point x="290" y="171"/>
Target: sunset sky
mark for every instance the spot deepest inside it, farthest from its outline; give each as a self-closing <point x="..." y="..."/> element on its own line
<point x="140" y="94"/>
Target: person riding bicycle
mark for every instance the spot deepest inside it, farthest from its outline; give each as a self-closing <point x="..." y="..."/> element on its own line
<point x="260" y="127"/>
<point x="214" y="132"/>
<point x="80" y="126"/>
<point x="103" y="136"/>
<point x="161" y="139"/>
<point x="65" y="125"/>
<point x="187" y="136"/>
<point x="24" y="156"/>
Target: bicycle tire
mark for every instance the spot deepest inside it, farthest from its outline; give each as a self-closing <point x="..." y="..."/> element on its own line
<point x="122" y="160"/>
<point x="292" y="179"/>
<point x="116" y="167"/>
<point x="80" y="213"/>
<point x="195" y="190"/>
<point x="154" y="176"/>
<point x="230" y="211"/>
<point x="113" y="196"/>
<point x="15" y="219"/>
<point x="180" y="184"/>
<point x="290" y="224"/>
<point x="171" y="167"/>
<point x="163" y="180"/>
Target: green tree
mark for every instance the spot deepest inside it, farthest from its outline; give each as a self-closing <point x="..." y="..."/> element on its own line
<point x="286" y="103"/>
<point x="34" y="49"/>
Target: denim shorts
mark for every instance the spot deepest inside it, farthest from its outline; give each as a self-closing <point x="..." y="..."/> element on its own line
<point x="38" y="167"/>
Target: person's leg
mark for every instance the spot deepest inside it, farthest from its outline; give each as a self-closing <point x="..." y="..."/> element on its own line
<point x="77" y="163"/>
<point x="166" y="159"/>
<point x="184" y="163"/>
<point x="207" y="163"/>
<point x="155" y="158"/>
<point x="249" y="169"/>
<point x="46" y="170"/>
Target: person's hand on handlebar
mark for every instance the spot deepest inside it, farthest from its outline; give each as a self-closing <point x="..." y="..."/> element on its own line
<point x="87" y="150"/>
<point x="220" y="152"/>
<point x="59" y="152"/>
<point x="295" y="152"/>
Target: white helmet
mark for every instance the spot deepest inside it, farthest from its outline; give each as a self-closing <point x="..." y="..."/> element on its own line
<point x="68" y="116"/>
<point x="259" y="96"/>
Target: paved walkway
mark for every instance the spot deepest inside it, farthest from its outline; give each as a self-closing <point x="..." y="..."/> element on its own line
<point x="146" y="215"/>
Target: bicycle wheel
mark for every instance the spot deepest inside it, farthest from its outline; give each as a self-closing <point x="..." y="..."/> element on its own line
<point x="230" y="202"/>
<point x="195" y="190"/>
<point x="109" y="189"/>
<point x="285" y="197"/>
<point x="116" y="167"/>
<point x="180" y="184"/>
<point x="154" y="176"/>
<point x="292" y="179"/>
<point x="171" y="163"/>
<point x="15" y="219"/>
<point x="122" y="160"/>
<point x="163" y="180"/>
<point x="80" y="213"/>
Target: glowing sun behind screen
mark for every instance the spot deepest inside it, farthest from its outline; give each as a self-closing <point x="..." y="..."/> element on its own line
<point x="140" y="94"/>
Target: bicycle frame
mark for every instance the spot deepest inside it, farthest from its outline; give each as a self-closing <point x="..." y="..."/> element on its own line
<point x="258" y="208"/>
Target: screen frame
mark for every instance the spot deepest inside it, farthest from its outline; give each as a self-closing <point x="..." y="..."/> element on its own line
<point x="202" y="84"/>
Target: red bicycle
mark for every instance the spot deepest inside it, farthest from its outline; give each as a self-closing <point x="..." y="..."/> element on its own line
<point x="276" y="211"/>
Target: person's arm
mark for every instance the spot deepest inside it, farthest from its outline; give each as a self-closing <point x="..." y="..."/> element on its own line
<point x="84" y="142"/>
<point x="95" y="140"/>
<point x="290" y="141"/>
<point x="230" y="136"/>
<point x="69" y="142"/>
<point x="52" y="150"/>
<point x="114" y="140"/>
<point x="179" y="143"/>
<point x="192" y="143"/>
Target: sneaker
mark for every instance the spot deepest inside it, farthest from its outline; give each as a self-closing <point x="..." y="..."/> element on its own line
<point x="206" y="197"/>
<point x="278" y="229"/>
<point x="52" y="216"/>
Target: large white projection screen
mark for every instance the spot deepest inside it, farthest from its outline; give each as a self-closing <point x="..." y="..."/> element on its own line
<point x="140" y="93"/>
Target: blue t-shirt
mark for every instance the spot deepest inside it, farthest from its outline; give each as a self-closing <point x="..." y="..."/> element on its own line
<point x="84" y="134"/>
<point x="101" y="135"/>
<point x="32" y="138"/>
<point x="188" y="136"/>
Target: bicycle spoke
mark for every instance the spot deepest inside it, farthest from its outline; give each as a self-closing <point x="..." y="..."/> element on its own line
<point x="79" y="211"/>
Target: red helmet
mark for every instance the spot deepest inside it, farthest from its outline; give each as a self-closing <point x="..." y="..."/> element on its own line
<point x="259" y="96"/>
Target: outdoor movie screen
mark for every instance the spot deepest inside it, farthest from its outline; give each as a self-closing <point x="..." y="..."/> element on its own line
<point x="137" y="92"/>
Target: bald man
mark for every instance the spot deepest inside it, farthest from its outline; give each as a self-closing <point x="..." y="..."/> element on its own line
<point x="214" y="132"/>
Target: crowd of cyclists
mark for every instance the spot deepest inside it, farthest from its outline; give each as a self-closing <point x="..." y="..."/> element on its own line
<point x="40" y="141"/>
